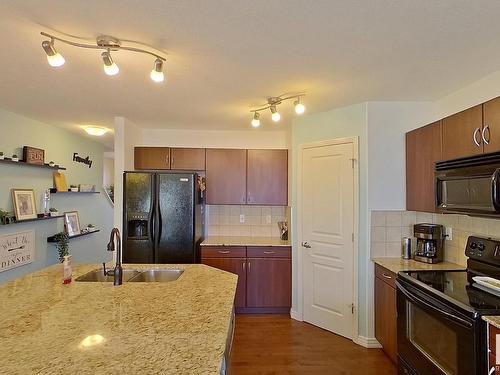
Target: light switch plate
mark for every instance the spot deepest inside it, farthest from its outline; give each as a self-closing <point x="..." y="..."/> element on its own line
<point x="449" y="233"/>
<point x="242" y="219"/>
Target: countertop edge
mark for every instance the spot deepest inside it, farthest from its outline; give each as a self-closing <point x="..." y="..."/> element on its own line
<point x="398" y="265"/>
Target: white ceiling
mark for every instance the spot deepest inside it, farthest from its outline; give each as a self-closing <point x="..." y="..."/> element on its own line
<point x="226" y="56"/>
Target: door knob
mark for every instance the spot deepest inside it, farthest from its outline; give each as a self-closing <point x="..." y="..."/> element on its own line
<point x="306" y="245"/>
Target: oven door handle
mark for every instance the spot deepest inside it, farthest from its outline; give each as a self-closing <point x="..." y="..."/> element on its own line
<point x="420" y="301"/>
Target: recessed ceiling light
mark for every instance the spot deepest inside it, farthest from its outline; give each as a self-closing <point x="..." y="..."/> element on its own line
<point x="96" y="130"/>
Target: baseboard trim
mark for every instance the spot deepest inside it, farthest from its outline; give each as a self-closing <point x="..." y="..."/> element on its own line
<point x="295" y="315"/>
<point x="367" y="342"/>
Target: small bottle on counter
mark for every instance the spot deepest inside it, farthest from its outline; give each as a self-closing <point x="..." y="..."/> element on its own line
<point x="67" y="271"/>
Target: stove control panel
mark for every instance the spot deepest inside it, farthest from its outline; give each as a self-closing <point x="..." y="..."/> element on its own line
<point x="481" y="248"/>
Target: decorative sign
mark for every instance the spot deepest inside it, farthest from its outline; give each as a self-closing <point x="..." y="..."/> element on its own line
<point x="79" y="159"/>
<point x="33" y="155"/>
<point x="16" y="249"/>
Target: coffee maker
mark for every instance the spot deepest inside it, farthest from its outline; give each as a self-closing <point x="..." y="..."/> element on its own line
<point x="430" y="243"/>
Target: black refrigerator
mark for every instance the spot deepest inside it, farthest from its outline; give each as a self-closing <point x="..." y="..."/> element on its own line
<point x="163" y="217"/>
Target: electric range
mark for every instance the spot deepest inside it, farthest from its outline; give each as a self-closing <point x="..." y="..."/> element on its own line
<point x="440" y="330"/>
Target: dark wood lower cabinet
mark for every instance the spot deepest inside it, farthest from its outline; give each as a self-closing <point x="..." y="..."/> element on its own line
<point x="385" y="311"/>
<point x="264" y="281"/>
<point x="233" y="265"/>
<point x="269" y="282"/>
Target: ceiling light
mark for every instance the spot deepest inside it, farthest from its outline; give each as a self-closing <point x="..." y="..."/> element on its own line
<point x="299" y="107"/>
<point x="96" y="130"/>
<point x="275" y="114"/>
<point x="157" y="72"/>
<point x="107" y="44"/>
<point x="110" y="67"/>
<point x="54" y="58"/>
<point x="255" y="120"/>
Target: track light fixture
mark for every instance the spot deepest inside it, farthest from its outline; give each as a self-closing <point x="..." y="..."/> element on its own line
<point x="272" y="105"/>
<point x="256" y="120"/>
<point x="108" y="44"/>
<point x="54" y="58"/>
<point x="110" y="67"/>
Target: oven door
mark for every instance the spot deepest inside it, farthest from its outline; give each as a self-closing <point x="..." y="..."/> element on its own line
<point x="434" y="338"/>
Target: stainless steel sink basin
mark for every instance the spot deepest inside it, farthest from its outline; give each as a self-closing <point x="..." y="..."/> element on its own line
<point x="98" y="276"/>
<point x="160" y="276"/>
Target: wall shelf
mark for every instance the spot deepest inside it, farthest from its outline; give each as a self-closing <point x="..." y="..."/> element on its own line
<point x="36" y="219"/>
<point x="52" y="239"/>
<point x="54" y="191"/>
<point x="24" y="164"/>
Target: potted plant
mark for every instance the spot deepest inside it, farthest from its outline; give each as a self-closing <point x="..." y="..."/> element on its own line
<point x="2" y="156"/>
<point x="51" y="164"/>
<point x="15" y="157"/>
<point x="73" y="188"/>
<point x="91" y="228"/>
<point x="53" y="211"/>
<point x="5" y="217"/>
<point x="62" y="245"/>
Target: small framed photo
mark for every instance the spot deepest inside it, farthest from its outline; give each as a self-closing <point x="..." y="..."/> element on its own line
<point x="24" y="204"/>
<point x="72" y="223"/>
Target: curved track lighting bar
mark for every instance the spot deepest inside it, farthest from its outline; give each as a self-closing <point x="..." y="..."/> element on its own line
<point x="113" y="46"/>
<point x="272" y="104"/>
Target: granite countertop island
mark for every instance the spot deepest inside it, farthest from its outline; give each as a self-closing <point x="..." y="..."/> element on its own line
<point x="398" y="264"/>
<point x="244" y="241"/>
<point x="178" y="327"/>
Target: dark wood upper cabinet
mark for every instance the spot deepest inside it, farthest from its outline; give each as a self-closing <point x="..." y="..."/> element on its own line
<point x="491" y="125"/>
<point x="189" y="159"/>
<point x="462" y="133"/>
<point x="226" y="177"/>
<point x="152" y="157"/>
<point x="267" y="177"/>
<point x="423" y="149"/>
<point x="269" y="282"/>
<point x="236" y="266"/>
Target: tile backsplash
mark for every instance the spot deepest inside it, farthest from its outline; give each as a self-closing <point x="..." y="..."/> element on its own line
<point x="389" y="227"/>
<point x="258" y="221"/>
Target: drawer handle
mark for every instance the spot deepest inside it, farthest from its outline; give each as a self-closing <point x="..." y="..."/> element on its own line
<point x="269" y="252"/>
<point x="223" y="251"/>
<point x="386" y="276"/>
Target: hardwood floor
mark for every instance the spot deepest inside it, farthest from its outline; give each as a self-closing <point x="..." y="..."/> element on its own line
<point x="276" y="344"/>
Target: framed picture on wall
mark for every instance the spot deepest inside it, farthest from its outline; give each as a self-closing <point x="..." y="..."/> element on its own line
<point x="72" y="223"/>
<point x="24" y="204"/>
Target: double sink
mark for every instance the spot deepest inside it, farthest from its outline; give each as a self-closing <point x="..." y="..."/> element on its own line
<point x="147" y="276"/>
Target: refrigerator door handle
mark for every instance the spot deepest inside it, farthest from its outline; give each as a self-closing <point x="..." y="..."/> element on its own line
<point x="157" y="217"/>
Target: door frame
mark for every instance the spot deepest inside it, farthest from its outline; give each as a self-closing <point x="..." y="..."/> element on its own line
<point x="299" y="314"/>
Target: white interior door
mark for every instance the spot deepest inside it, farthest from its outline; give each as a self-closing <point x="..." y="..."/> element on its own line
<point x="327" y="223"/>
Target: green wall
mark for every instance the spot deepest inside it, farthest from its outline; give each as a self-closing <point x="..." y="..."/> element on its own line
<point x="343" y="122"/>
<point x="59" y="145"/>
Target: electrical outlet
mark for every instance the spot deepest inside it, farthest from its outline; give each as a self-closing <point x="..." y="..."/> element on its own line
<point x="268" y="219"/>
<point x="449" y="233"/>
<point x="242" y="219"/>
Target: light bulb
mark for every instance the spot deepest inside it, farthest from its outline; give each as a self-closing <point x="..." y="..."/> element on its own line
<point x="110" y="67"/>
<point x="275" y="114"/>
<point x="299" y="107"/>
<point x="54" y="58"/>
<point x="255" y="120"/>
<point x="157" y="73"/>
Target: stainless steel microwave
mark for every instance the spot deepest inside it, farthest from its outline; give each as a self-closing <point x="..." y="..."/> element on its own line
<point x="469" y="185"/>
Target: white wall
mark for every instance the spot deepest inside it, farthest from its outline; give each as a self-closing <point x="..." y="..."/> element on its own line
<point x="255" y="138"/>
<point x="387" y="123"/>
<point x="476" y="93"/>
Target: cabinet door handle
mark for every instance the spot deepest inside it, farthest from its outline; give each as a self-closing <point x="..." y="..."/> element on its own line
<point x="249" y="266"/>
<point x="269" y="252"/>
<point x="386" y="276"/>
<point x="486" y="141"/>
<point x="478" y="143"/>
<point x="244" y="266"/>
<point x="223" y="251"/>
